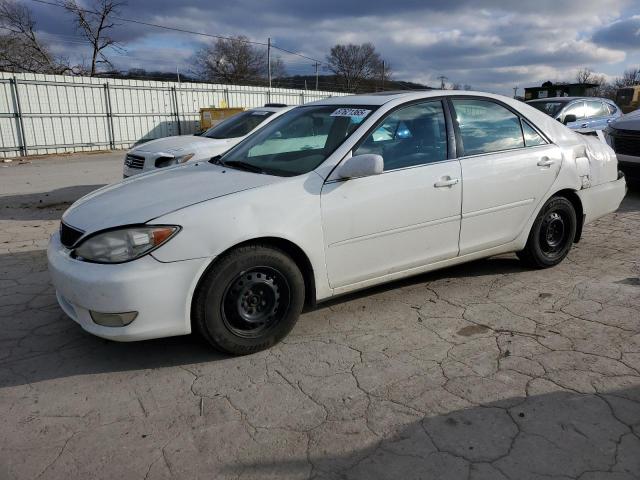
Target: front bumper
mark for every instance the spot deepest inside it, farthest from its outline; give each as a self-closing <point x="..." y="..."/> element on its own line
<point x="160" y="292"/>
<point x="601" y="199"/>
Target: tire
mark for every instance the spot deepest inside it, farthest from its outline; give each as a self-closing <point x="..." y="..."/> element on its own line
<point x="249" y="300"/>
<point x="551" y="235"/>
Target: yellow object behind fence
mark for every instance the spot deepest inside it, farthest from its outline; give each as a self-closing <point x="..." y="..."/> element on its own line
<point x="210" y="116"/>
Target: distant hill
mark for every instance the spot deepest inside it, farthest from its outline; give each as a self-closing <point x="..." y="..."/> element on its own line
<point x="325" y="82"/>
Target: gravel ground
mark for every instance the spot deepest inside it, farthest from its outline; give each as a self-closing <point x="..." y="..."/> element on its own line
<point x="483" y="371"/>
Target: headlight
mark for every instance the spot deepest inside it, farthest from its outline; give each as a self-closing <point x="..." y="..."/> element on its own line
<point x="168" y="160"/>
<point x="123" y="245"/>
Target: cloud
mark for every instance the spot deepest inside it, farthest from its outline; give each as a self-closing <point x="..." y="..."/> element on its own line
<point x="623" y="34"/>
<point x="489" y="44"/>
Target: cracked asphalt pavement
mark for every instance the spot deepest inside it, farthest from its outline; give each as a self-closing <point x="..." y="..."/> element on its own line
<point x="486" y="371"/>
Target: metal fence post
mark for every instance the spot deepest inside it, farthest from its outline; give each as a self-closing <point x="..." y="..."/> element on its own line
<point x="112" y="136"/>
<point x="301" y="98"/>
<point x="23" y="147"/>
<point x="268" y="95"/>
<point x="177" y="111"/>
<point x="226" y="97"/>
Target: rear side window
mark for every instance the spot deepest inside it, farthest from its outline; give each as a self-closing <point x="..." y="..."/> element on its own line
<point x="410" y="136"/>
<point x="596" y="109"/>
<point x="576" y="109"/>
<point x="486" y="126"/>
<point x="531" y="137"/>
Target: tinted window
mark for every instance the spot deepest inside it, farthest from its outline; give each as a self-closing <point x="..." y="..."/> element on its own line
<point x="531" y="137"/>
<point x="410" y="136"/>
<point x="550" y="108"/>
<point x="299" y="140"/>
<point x="239" y="125"/>
<point x="595" y="109"/>
<point x="487" y="126"/>
<point x="576" y="109"/>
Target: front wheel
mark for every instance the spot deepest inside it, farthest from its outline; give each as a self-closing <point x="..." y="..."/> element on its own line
<point x="249" y="300"/>
<point x="551" y="235"/>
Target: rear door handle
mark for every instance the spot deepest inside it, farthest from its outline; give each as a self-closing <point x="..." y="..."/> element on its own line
<point x="545" y="162"/>
<point x="446" y="182"/>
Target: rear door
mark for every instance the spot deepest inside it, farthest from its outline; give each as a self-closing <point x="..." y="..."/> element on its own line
<point x="507" y="167"/>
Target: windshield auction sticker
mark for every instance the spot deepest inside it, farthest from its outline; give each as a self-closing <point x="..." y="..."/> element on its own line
<point x="351" y="112"/>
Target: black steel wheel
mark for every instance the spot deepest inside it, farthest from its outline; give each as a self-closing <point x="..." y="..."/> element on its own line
<point x="551" y="235"/>
<point x="255" y="301"/>
<point x="249" y="299"/>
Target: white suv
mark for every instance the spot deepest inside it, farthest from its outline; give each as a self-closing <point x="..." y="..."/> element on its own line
<point x="168" y="151"/>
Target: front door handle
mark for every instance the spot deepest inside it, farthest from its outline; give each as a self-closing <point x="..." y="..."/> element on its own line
<point x="545" y="162"/>
<point x="446" y="182"/>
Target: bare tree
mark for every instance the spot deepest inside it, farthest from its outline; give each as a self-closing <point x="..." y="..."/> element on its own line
<point x="20" y="48"/>
<point x="235" y="60"/>
<point x="585" y="75"/>
<point x="355" y="64"/>
<point x="630" y="77"/>
<point x="94" y="23"/>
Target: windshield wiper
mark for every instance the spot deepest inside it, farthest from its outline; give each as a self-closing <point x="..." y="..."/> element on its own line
<point x="240" y="165"/>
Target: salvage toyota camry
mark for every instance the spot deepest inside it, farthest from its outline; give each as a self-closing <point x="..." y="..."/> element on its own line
<point x="331" y="197"/>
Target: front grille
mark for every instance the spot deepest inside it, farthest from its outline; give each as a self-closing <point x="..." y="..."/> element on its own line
<point x="69" y="235"/>
<point x="626" y="142"/>
<point x="134" y="161"/>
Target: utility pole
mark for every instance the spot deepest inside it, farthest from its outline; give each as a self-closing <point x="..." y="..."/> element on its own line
<point x="442" y="79"/>
<point x="515" y="92"/>
<point x="317" y="65"/>
<point x="178" y="73"/>
<point x="383" y="65"/>
<point x="269" y="59"/>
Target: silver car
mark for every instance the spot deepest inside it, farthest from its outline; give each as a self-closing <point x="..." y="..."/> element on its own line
<point x="582" y="114"/>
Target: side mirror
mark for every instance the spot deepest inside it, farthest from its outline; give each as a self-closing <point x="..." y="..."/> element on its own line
<point x="569" y="119"/>
<point x="361" y="166"/>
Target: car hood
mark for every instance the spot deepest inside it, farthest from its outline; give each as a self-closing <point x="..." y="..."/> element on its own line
<point x="144" y="197"/>
<point x="185" y="144"/>
<point x="630" y="121"/>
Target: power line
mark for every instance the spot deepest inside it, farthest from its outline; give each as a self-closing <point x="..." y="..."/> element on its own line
<point x="182" y="30"/>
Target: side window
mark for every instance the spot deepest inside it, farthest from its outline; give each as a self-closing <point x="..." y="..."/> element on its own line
<point x="611" y="108"/>
<point x="576" y="109"/>
<point x="596" y="109"/>
<point x="486" y="126"/>
<point x="531" y="137"/>
<point x="410" y="136"/>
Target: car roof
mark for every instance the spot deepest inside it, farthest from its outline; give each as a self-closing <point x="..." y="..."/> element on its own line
<point x="380" y="98"/>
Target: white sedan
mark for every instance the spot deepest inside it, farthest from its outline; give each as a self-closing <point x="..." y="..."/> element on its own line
<point x="168" y="151"/>
<point x="329" y="198"/>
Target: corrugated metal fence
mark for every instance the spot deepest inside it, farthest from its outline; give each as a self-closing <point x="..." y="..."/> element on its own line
<point x="42" y="114"/>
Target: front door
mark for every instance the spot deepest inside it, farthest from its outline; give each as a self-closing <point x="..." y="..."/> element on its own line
<point x="407" y="217"/>
<point x="507" y="167"/>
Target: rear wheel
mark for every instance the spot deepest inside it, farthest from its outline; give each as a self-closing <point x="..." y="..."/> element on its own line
<point x="551" y="235"/>
<point x="249" y="300"/>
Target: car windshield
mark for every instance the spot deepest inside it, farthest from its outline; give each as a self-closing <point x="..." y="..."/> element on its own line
<point x="298" y="141"/>
<point x="550" y="108"/>
<point x="239" y="125"/>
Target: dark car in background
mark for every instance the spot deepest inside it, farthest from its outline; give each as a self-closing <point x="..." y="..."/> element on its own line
<point x="624" y="137"/>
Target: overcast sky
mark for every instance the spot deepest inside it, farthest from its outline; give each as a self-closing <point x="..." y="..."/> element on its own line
<point x="492" y="45"/>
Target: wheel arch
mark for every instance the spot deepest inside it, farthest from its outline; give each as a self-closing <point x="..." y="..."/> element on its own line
<point x="573" y="197"/>
<point x="294" y="251"/>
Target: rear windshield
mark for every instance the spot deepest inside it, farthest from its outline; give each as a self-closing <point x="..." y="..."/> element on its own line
<point x="299" y="140"/>
<point x="239" y="125"/>
<point x="550" y="108"/>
